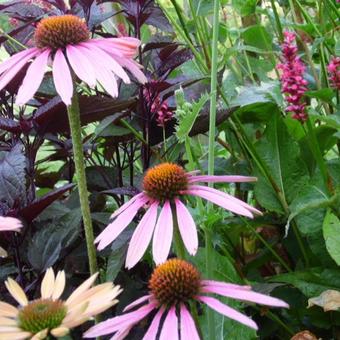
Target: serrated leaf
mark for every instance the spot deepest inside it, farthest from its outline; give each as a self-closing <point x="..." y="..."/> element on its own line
<point x="187" y="120"/>
<point x="331" y="234"/>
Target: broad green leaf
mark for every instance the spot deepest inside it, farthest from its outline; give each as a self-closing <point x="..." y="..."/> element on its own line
<point x="331" y="234"/>
<point x="244" y="7"/>
<point x="257" y="36"/>
<point x="281" y="155"/>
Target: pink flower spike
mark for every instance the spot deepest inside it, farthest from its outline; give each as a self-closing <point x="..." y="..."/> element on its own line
<point x="245" y="295"/>
<point x="163" y="235"/>
<point x="170" y="328"/>
<point x="187" y="227"/>
<point x="142" y="236"/>
<point x="136" y="302"/>
<point x="227" y="311"/>
<point x="221" y="179"/>
<point x="153" y="329"/>
<point x="111" y="232"/>
<point x="10" y="224"/>
<point x="62" y="77"/>
<point x="34" y="76"/>
<point x="188" y="327"/>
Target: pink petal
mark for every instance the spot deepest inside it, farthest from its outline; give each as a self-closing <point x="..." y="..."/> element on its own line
<point x="153" y="329"/>
<point x="34" y="76"/>
<point x="119" y="323"/>
<point x="163" y="235"/>
<point x="133" y="67"/>
<point x="188" y="327"/>
<point x="9" y="224"/>
<point x="62" y="77"/>
<point x="103" y="74"/>
<point x="127" y="204"/>
<point x="125" y="46"/>
<point x="137" y="302"/>
<point x="227" y="311"/>
<point x="109" y="62"/>
<point x="218" y="284"/>
<point x="187" y="227"/>
<point x="10" y="62"/>
<point x="241" y="294"/>
<point x="226" y="196"/>
<point x="121" y="334"/>
<point x="170" y="326"/>
<point x="222" y="202"/>
<point x="81" y="65"/>
<point x="12" y="71"/>
<point x="141" y="236"/>
<point x="110" y="233"/>
<point x="221" y="179"/>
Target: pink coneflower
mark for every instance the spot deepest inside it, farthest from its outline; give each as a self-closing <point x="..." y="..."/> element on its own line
<point x="292" y="82"/>
<point x="163" y="186"/>
<point x="334" y="72"/>
<point x="9" y="224"/>
<point x="172" y="286"/>
<point x="63" y="42"/>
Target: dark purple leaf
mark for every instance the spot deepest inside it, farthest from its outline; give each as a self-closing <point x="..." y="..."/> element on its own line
<point x="9" y="125"/>
<point x="129" y="191"/>
<point x="52" y="117"/>
<point x="30" y="212"/>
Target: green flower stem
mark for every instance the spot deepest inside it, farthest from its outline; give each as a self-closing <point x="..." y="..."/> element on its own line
<point x="75" y="126"/>
<point x="277" y="20"/>
<point x="211" y="151"/>
<point x="179" y="246"/>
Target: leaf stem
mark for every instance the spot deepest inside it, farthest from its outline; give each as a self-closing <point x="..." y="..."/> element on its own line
<point x="75" y="126"/>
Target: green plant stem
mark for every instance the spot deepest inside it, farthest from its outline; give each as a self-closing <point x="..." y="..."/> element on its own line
<point x="314" y="145"/>
<point x="277" y="20"/>
<point x="268" y="246"/>
<point x="179" y="246"/>
<point x="75" y="126"/>
<point x="211" y="150"/>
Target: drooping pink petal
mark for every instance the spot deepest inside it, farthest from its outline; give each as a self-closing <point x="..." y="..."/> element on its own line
<point x="226" y="196"/>
<point x="103" y="74"/>
<point x="227" y="311"/>
<point x="9" y="224"/>
<point x="163" y="235"/>
<point x="12" y="71"/>
<point x="221" y="179"/>
<point x="14" y="59"/>
<point x="218" y="284"/>
<point x="127" y="204"/>
<point x="34" y="76"/>
<point x="188" y="328"/>
<point x="241" y="294"/>
<point x="136" y="302"/>
<point x="141" y="236"/>
<point x="110" y="233"/>
<point x="187" y="227"/>
<point x="125" y="46"/>
<point x="170" y="326"/>
<point x="120" y="335"/>
<point x="80" y="65"/>
<point x="119" y="323"/>
<point x="152" y="331"/>
<point x="133" y="67"/>
<point x="109" y="62"/>
<point x="62" y="77"/>
<point x="222" y="202"/>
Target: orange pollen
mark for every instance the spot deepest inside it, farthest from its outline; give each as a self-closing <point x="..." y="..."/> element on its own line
<point x="165" y="181"/>
<point x="174" y="281"/>
<point x="59" y="31"/>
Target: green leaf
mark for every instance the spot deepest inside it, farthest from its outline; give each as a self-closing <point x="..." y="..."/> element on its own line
<point x="187" y="114"/>
<point x="331" y="234"/>
<point x="107" y="128"/>
<point x="325" y="95"/>
<point x="257" y="36"/>
<point x="281" y="155"/>
<point x="244" y="7"/>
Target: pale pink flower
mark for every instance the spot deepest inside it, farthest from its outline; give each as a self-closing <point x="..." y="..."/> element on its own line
<point x="63" y="43"/>
<point x="9" y="224"/>
<point x="163" y="186"/>
<point x="172" y="286"/>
